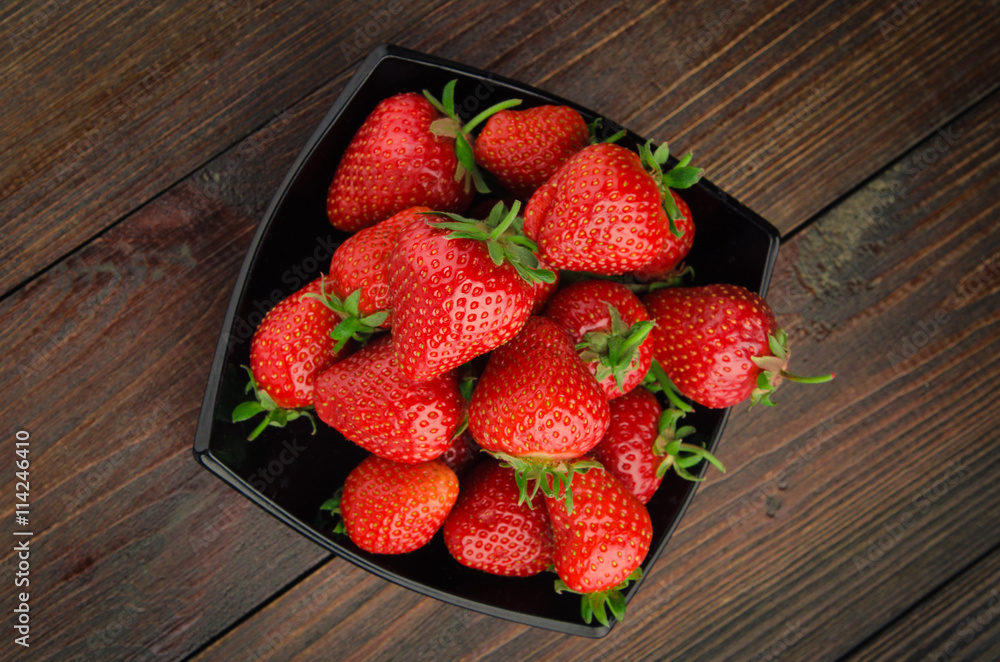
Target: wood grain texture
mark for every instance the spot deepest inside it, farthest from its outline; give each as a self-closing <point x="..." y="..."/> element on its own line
<point x="841" y="507"/>
<point x="105" y="355"/>
<point x="104" y="361"/>
<point x="815" y="95"/>
<point x="961" y="621"/>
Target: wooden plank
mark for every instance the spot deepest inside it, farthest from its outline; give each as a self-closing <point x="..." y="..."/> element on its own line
<point x="844" y="505"/>
<point x="814" y="95"/>
<point x="959" y="622"/>
<point x="104" y="362"/>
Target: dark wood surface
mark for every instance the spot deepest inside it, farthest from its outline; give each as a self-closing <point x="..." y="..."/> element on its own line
<point x="856" y="521"/>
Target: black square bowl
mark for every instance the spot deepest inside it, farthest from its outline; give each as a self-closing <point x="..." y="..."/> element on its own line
<point x="289" y="473"/>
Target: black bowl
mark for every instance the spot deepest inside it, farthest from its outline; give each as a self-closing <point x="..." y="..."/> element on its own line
<point x="289" y="473"/>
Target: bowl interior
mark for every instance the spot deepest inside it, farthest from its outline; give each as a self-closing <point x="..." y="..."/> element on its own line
<point x="290" y="472"/>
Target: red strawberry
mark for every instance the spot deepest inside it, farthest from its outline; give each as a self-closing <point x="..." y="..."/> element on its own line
<point x="459" y="288"/>
<point x="523" y="148"/>
<point x="461" y="454"/>
<point x="290" y="348"/>
<point x="411" y="150"/>
<point x="611" y="328"/>
<point x="673" y="251"/>
<point x="603" y="212"/>
<point x="367" y="398"/>
<point x="391" y="508"/>
<point x="601" y="544"/>
<point x="489" y="530"/>
<point x="643" y="443"/>
<point x="720" y="344"/>
<point x="361" y="262"/>
<point x="537" y="405"/>
<point x="544" y="290"/>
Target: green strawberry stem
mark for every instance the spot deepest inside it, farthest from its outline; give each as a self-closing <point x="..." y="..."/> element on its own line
<point x="332" y="505"/>
<point x="353" y="325"/>
<point x="451" y="127"/>
<point x="681" y="176"/>
<point x="264" y="404"/>
<point x="553" y="477"/>
<point x="773" y="370"/>
<point x="504" y="237"/>
<point x="595" y="605"/>
<point x="615" y="350"/>
<point x="595" y="126"/>
<point x="658" y="382"/>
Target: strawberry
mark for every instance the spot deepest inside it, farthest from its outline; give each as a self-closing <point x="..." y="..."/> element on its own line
<point x="523" y="148"/>
<point x="489" y="530"/>
<point x="367" y="398"/>
<point x="461" y="454"/>
<point x="390" y="508"/>
<point x="537" y="406"/>
<point x="603" y="212"/>
<point x="720" y="344"/>
<point x="601" y="544"/>
<point x="361" y="262"/>
<point x="289" y="349"/>
<point x="673" y="251"/>
<point x="411" y="150"/>
<point x="643" y="443"/>
<point x="611" y="328"/>
<point x="459" y="288"/>
<point x="543" y="290"/>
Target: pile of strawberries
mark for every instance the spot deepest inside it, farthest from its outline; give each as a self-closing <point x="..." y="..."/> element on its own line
<point x="520" y="353"/>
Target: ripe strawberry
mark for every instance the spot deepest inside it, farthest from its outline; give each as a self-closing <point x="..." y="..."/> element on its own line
<point x="289" y="349"/>
<point x="489" y="530"/>
<point x="601" y="544"/>
<point x="537" y="406"/>
<point x="391" y="508"/>
<point x="367" y="398"/>
<point x="361" y="262"/>
<point x="603" y="212"/>
<point x="643" y="443"/>
<point x="720" y="344"/>
<point x="461" y="454"/>
<point x="610" y="327"/>
<point x="411" y="150"/>
<point x="673" y="251"/>
<point x="459" y="288"/>
<point x="523" y="148"/>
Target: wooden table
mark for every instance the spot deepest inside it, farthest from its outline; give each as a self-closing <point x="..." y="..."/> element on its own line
<point x="861" y="520"/>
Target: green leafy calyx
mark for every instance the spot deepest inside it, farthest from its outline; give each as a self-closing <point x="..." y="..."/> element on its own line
<point x="773" y="370"/>
<point x="263" y="403"/>
<point x="450" y="126"/>
<point x="596" y="604"/>
<point x="681" y="176"/>
<point x="553" y="477"/>
<point x="616" y="349"/>
<point x="503" y="234"/>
